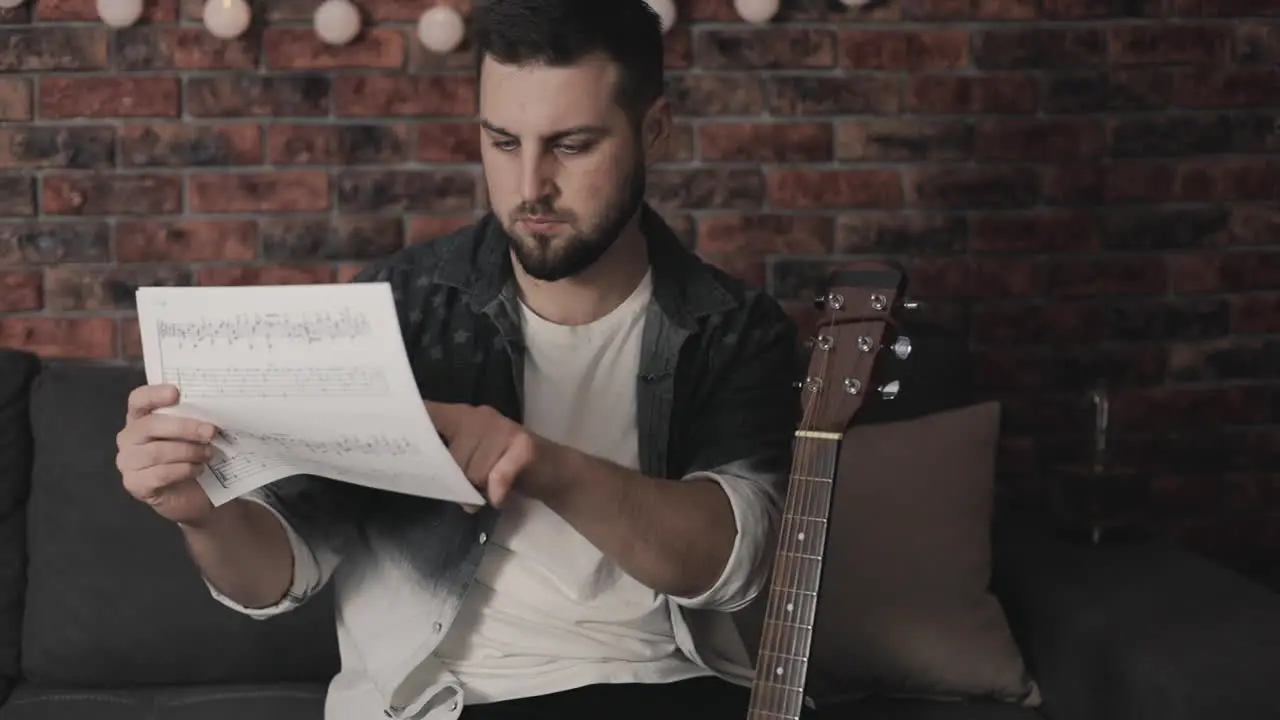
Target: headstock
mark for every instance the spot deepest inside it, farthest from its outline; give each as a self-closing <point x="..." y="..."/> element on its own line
<point x="857" y="322"/>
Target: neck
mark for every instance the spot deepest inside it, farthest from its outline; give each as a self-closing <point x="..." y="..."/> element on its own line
<point x="594" y="292"/>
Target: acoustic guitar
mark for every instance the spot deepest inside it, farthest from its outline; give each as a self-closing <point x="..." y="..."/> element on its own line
<point x="857" y="323"/>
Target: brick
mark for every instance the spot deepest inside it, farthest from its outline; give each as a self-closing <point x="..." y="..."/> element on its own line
<point x="1217" y="88"/>
<point x="190" y="145"/>
<point x="1255" y="132"/>
<point x="245" y="95"/>
<point x="406" y="191"/>
<point x="1038" y="140"/>
<point x="1114" y="275"/>
<point x="1054" y="48"/>
<point x="706" y="188"/>
<point x="1154" y="228"/>
<point x="447" y="142"/>
<point x="347" y="272"/>
<point x="1255" y="224"/>
<point x="264" y="275"/>
<point x="186" y="240"/>
<point x="839" y="12"/>
<point x="83" y="338"/>
<point x="677" y="48"/>
<point x="1169" y="408"/>
<point x="1223" y="8"/>
<point x="284" y="191"/>
<point x="84" y="97"/>
<point x="346" y="238"/>
<point x="1216" y="180"/>
<point x="15" y="99"/>
<point x="20" y="291"/>
<point x="885" y="139"/>
<point x="967" y="94"/>
<point x="1023" y="323"/>
<point x="36" y="147"/>
<point x="828" y="95"/>
<point x="1165" y="43"/>
<point x="1118" y="90"/>
<point x="53" y="242"/>
<point x="402" y="95"/>
<point x="1149" y="320"/>
<point x="52" y="48"/>
<point x="301" y="49"/>
<point x="901" y="234"/>
<point x="1256" y="313"/>
<point x="424" y="62"/>
<point x="1124" y="366"/>
<point x="1037" y="231"/>
<point x="1170" y="135"/>
<point x="182" y="48"/>
<point x="112" y="194"/>
<point x="20" y="15"/>
<point x="969" y="9"/>
<point x="82" y="288"/>
<point x="712" y="94"/>
<point x="771" y="48"/>
<point x="982" y="277"/>
<point x="766" y="142"/>
<point x="973" y="187"/>
<point x="944" y="49"/>
<point x="759" y="235"/>
<point x="1101" y="9"/>
<point x="86" y="11"/>
<point x="677" y="149"/>
<point x="17" y="196"/>
<point x="1257" y="43"/>
<point x="316" y="144"/>
<point x="425" y="228"/>
<point x="813" y="189"/>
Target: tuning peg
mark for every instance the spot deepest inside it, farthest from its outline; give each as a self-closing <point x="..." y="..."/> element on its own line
<point x="889" y="390"/>
<point x="901" y="347"/>
<point x="835" y="301"/>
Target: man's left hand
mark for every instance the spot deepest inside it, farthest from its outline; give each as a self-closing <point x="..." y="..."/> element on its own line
<point x="492" y="450"/>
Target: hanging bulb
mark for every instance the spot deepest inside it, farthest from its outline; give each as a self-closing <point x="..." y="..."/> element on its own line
<point x="441" y="29"/>
<point x="856" y="3"/>
<point x="337" y="22"/>
<point x="119" y="13"/>
<point x="666" y="10"/>
<point x="10" y="4"/>
<point x="227" y="19"/>
<point x="756" y="11"/>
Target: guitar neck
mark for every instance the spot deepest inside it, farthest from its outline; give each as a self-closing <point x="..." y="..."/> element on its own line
<point x="783" y="660"/>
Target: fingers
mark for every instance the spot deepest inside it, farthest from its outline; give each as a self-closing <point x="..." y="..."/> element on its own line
<point x="447" y="417"/>
<point x="161" y="452"/>
<point x="150" y="483"/>
<point x="164" y="427"/>
<point x="143" y="400"/>
<point x="517" y="456"/>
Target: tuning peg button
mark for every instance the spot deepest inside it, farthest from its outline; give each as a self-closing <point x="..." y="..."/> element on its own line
<point x="889" y="390"/>
<point x="902" y="347"/>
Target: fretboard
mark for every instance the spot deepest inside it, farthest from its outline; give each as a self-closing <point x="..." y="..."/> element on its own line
<point x="783" y="660"/>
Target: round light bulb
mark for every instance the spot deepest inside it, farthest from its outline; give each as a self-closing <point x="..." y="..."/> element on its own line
<point x="227" y="19"/>
<point x="440" y="29"/>
<point x="119" y="13"/>
<point x="756" y="11"/>
<point x="856" y="3"/>
<point x="337" y="22"/>
<point x="10" y="4"/>
<point x="666" y="10"/>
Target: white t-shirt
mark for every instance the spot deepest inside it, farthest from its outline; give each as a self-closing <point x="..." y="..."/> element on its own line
<point x="548" y="612"/>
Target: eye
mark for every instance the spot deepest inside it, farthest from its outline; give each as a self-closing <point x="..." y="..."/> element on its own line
<point x="505" y="145"/>
<point x="569" y="148"/>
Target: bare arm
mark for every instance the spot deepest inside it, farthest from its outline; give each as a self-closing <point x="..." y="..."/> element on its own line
<point x="674" y="537"/>
<point x="243" y="552"/>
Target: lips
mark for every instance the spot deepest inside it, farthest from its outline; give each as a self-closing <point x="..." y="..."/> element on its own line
<point x="540" y="224"/>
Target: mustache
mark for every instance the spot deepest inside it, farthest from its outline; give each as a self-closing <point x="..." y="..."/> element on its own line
<point x="541" y="209"/>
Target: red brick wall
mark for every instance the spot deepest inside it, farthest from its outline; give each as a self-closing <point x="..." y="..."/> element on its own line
<point x="1084" y="187"/>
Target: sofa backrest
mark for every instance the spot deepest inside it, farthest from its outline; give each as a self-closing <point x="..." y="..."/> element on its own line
<point x="17" y="371"/>
<point x="112" y="598"/>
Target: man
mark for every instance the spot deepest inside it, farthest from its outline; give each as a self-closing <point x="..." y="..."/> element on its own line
<point x="626" y="410"/>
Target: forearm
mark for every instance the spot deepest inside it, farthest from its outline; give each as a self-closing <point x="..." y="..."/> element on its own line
<point x="243" y="552"/>
<point x="674" y="537"/>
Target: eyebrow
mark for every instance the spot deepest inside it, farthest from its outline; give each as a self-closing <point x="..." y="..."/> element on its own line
<point x="558" y="135"/>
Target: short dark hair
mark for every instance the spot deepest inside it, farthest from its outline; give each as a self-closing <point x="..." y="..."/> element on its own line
<point x="558" y="33"/>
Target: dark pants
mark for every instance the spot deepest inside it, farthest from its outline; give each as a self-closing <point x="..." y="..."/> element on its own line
<point x="703" y="698"/>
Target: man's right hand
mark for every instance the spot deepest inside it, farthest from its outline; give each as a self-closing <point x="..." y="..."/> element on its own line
<point x="160" y="456"/>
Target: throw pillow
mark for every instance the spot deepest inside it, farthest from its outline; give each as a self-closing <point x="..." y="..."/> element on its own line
<point x="904" y="607"/>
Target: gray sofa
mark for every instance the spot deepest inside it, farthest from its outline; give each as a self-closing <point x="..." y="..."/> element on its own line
<point x="102" y="617"/>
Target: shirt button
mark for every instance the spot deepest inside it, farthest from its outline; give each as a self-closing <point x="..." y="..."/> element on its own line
<point x="484" y="538"/>
<point x="453" y="706"/>
<point x="436" y="627"/>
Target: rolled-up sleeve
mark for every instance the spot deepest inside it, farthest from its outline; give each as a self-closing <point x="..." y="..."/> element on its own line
<point x="742" y="439"/>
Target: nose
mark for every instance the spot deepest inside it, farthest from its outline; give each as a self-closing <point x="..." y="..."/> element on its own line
<point x="536" y="178"/>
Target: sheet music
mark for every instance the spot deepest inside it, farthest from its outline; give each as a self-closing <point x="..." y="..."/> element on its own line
<point x="299" y="379"/>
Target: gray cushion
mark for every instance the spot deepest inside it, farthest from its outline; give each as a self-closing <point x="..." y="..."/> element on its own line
<point x="263" y="702"/>
<point x="17" y="370"/>
<point x="113" y="599"/>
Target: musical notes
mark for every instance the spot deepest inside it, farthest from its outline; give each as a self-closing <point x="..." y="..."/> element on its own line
<point x="299" y="379"/>
<point x="266" y="328"/>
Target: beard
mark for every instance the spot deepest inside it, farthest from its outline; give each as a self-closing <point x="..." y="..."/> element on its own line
<point x="549" y="259"/>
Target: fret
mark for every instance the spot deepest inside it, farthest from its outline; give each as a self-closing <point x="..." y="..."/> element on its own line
<point x="812" y="478"/>
<point x="797" y="573"/>
<point x="809" y="500"/>
<point x="802" y="535"/>
<point x="777" y="700"/>
<point x="783" y="670"/>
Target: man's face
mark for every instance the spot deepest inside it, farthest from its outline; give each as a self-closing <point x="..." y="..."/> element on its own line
<point x="563" y="163"/>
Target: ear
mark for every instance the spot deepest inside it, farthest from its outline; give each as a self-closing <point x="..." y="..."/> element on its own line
<point x="657" y="130"/>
